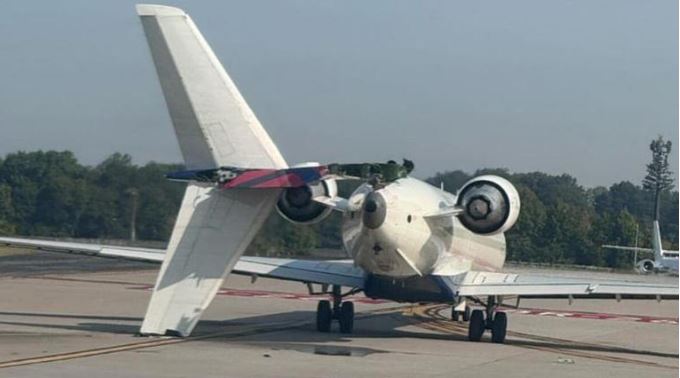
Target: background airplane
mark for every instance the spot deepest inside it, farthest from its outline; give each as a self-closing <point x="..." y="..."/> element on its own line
<point x="408" y="241"/>
<point x="665" y="261"/>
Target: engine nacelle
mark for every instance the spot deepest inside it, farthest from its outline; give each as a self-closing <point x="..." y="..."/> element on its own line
<point x="296" y="204"/>
<point x="645" y="266"/>
<point x="490" y="205"/>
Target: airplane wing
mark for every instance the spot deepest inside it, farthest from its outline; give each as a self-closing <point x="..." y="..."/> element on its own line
<point x="331" y="272"/>
<point x="328" y="272"/>
<point x="215" y="128"/>
<point x="214" y="124"/>
<point x="212" y="230"/>
<point x="474" y="283"/>
<point x="342" y="272"/>
<point x="624" y="248"/>
<point x="151" y="255"/>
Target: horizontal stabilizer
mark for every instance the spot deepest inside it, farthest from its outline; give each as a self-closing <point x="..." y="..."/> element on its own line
<point x="240" y="178"/>
<point x="228" y="177"/>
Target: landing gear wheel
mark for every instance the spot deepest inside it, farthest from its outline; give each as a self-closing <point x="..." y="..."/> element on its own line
<point x="324" y="315"/>
<point x="346" y="317"/>
<point x="455" y="315"/>
<point x="466" y="314"/>
<point x="498" y="327"/>
<point x="476" y="326"/>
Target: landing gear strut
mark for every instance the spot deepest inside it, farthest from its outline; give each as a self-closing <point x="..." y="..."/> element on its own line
<point x="496" y="321"/>
<point x="461" y="310"/>
<point x="342" y="311"/>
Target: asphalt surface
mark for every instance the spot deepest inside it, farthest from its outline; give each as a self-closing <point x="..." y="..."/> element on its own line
<point x="74" y="316"/>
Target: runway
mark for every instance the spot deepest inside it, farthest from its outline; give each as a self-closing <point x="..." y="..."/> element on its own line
<point x="69" y="316"/>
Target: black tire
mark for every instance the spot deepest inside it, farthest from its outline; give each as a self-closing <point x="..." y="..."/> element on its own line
<point x="498" y="327"/>
<point x="467" y="313"/>
<point x="476" y="326"/>
<point x="346" y="317"/>
<point x="455" y="315"/>
<point x="324" y="316"/>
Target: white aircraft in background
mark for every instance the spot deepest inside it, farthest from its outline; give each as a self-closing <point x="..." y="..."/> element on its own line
<point x="408" y="241"/>
<point x="664" y="261"/>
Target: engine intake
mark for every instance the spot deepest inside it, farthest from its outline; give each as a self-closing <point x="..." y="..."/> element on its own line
<point x="645" y="266"/>
<point x="297" y="205"/>
<point x="490" y="205"/>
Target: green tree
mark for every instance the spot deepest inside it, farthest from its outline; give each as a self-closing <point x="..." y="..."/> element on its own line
<point x="618" y="229"/>
<point x="6" y="210"/>
<point x="451" y="180"/>
<point x="659" y="177"/>
<point x="524" y="240"/>
<point x="51" y="194"/>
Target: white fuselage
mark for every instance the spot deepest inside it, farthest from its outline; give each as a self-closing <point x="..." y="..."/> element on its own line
<point x="669" y="263"/>
<point x="663" y="260"/>
<point x="408" y="243"/>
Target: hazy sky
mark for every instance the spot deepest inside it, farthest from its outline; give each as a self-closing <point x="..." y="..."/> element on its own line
<point x="578" y="87"/>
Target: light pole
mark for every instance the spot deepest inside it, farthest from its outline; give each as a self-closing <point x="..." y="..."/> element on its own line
<point x="637" y="230"/>
<point x="134" y="194"/>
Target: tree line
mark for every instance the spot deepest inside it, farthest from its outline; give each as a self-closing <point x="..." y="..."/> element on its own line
<point x="51" y="194"/>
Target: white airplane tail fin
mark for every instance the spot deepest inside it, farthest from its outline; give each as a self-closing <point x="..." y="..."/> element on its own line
<point x="214" y="127"/>
<point x="656" y="241"/>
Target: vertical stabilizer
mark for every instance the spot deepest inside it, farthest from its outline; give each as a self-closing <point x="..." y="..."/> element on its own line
<point x="656" y="241"/>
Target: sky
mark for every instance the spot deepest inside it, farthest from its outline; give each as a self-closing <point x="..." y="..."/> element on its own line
<point x="578" y="87"/>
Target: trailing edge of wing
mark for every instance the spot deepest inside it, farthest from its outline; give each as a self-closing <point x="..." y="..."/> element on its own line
<point x="476" y="283"/>
<point x="110" y="251"/>
<point x="333" y="272"/>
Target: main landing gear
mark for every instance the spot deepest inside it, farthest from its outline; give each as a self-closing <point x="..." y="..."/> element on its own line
<point x="342" y="311"/>
<point x="461" y="310"/>
<point x="496" y="321"/>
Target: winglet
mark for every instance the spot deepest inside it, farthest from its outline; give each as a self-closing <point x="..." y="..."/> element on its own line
<point x="158" y="10"/>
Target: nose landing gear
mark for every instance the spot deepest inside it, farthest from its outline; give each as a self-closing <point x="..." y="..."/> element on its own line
<point x="496" y="321"/>
<point x="342" y="311"/>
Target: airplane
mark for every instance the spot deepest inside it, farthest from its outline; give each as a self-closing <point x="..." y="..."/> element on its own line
<point x="408" y="241"/>
<point x="665" y="261"/>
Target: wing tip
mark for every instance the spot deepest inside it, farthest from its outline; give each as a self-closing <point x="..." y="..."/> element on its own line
<point x="158" y="10"/>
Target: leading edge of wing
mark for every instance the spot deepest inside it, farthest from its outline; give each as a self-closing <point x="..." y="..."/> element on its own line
<point x="476" y="283"/>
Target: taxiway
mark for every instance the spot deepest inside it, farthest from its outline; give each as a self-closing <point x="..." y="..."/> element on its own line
<point x="74" y="316"/>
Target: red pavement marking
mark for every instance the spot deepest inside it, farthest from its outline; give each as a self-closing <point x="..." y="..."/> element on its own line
<point x="520" y="311"/>
<point x="592" y="315"/>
